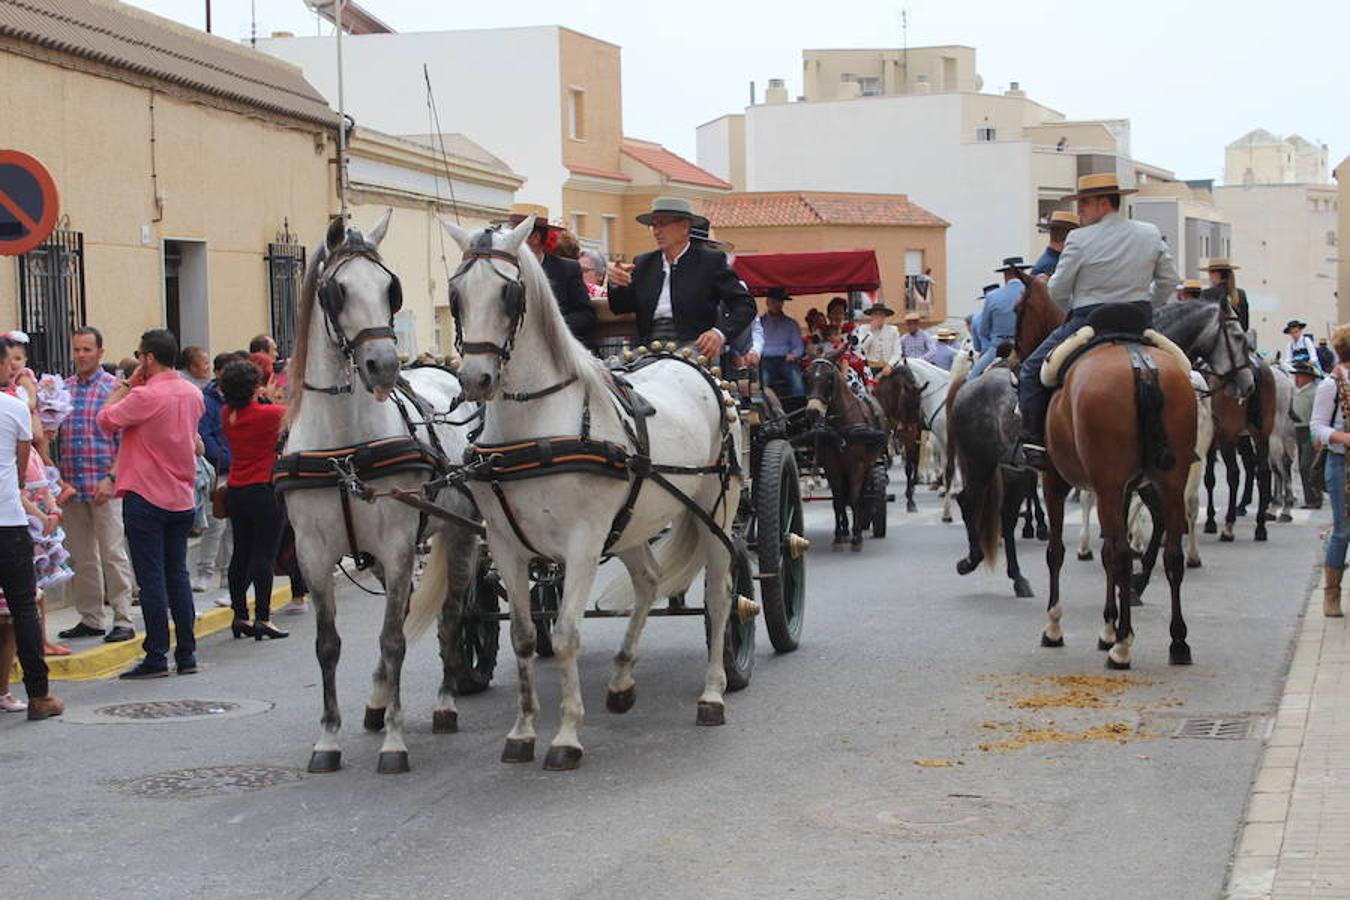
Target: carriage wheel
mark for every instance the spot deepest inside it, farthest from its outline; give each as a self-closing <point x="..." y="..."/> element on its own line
<point x="877" y="483"/>
<point x="738" y="651"/>
<point x="479" y="633"/>
<point x="778" y="510"/>
<point x="544" y="597"/>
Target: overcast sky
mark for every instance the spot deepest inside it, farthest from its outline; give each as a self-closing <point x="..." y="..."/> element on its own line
<point x="1190" y="77"/>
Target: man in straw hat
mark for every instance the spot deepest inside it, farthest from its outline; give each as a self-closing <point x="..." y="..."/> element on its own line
<point x="1189" y="289"/>
<point x="879" y="341"/>
<point x="998" y="320"/>
<point x="564" y="275"/>
<point x="1108" y="259"/>
<point x="915" y="343"/>
<point x="944" y="354"/>
<point x="1306" y="377"/>
<point x="1223" y="287"/>
<point x="683" y="290"/>
<point x="1058" y="225"/>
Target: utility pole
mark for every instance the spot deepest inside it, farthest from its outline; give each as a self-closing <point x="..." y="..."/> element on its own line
<point x="342" y="124"/>
<point x="904" y="44"/>
<point x="208" y="16"/>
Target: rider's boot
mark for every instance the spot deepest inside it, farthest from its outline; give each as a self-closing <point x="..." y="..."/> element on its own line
<point x="1331" y="593"/>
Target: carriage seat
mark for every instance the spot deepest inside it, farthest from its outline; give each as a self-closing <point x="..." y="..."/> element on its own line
<point x="1115" y="323"/>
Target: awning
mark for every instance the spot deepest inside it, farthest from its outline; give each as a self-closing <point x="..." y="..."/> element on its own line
<point x="833" y="271"/>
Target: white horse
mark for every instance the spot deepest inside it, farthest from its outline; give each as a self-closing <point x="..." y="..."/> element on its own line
<point x="344" y="371"/>
<point x="539" y="383"/>
<point x="933" y="382"/>
<point x="1283" y="445"/>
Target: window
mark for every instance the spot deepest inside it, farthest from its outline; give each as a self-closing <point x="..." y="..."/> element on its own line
<point x="285" y="272"/>
<point x="578" y="223"/>
<point x="607" y="236"/>
<point x="871" y="87"/>
<point x="917" y="285"/>
<point x="984" y="134"/>
<point x="1204" y="246"/>
<point x="576" y="114"/>
<point x="51" y="300"/>
<point x="1331" y="239"/>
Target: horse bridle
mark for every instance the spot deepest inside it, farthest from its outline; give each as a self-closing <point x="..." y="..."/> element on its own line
<point x="512" y="299"/>
<point x="1239" y="358"/>
<point x="330" y="296"/>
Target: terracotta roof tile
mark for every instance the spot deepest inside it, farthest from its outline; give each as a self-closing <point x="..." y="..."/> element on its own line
<point x="751" y="210"/>
<point x="674" y="167"/>
<point x="128" y="38"/>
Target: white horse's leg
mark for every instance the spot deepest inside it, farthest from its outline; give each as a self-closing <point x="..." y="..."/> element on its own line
<point x="327" y="755"/>
<point x="642" y="571"/>
<point x="393" y="646"/>
<point x="564" y="752"/>
<point x="717" y="601"/>
<point x="1086" y="500"/>
<point x="516" y="581"/>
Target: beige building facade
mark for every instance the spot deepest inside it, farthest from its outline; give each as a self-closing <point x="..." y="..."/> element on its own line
<point x="1342" y="174"/>
<point x="1259" y="157"/>
<point x="844" y="74"/>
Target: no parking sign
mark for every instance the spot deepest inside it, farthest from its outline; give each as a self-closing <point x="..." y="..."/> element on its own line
<point x="28" y="203"/>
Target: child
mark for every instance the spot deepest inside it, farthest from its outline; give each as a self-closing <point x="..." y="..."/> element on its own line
<point x="51" y="560"/>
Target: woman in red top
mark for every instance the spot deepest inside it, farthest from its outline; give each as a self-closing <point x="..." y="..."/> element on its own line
<point x="251" y="428"/>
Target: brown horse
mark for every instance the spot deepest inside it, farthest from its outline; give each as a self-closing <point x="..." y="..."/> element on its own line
<point x="850" y="433"/>
<point x="1241" y="430"/>
<point x="1102" y="436"/>
<point x="901" y="397"/>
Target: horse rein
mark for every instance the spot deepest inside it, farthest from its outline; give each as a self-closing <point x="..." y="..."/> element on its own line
<point x="325" y="291"/>
<point x="1234" y="356"/>
<point x="513" y="289"/>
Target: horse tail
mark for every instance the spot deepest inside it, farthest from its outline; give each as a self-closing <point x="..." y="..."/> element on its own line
<point x="1148" y="396"/>
<point x="991" y="518"/>
<point x="678" y="560"/>
<point x="429" y="594"/>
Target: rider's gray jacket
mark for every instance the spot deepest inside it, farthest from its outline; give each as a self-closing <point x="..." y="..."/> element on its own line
<point x="1113" y="261"/>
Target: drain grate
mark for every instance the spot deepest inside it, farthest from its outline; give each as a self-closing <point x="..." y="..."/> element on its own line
<point x="167" y="709"/>
<point x="207" y="782"/>
<point x="1214" y="729"/>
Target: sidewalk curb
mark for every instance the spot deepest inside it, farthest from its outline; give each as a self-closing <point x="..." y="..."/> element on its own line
<point x="105" y="660"/>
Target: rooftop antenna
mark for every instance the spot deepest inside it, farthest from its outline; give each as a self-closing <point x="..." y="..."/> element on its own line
<point x="904" y="43"/>
<point x="253" y="20"/>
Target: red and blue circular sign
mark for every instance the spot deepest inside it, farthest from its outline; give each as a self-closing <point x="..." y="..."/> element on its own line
<point x="28" y="203"/>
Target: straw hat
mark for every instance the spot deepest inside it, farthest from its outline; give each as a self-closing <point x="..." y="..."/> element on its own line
<point x="945" y="334"/>
<point x="669" y="206"/>
<point x="1191" y="285"/>
<point x="913" y="317"/>
<point x="522" y="211"/>
<point x="886" y="311"/>
<point x="1100" y="185"/>
<point x="1219" y="264"/>
<point x="1059" y="219"/>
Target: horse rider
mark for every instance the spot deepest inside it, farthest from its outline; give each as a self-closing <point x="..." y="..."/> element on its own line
<point x="1058" y="225"/>
<point x="682" y="291"/>
<point x="1301" y="346"/>
<point x="780" y="365"/>
<point x="915" y="342"/>
<point x="998" y="323"/>
<point x="879" y="341"/>
<point x="564" y="275"/>
<point x="1223" y="286"/>
<point x="1189" y="289"/>
<point x="976" y="320"/>
<point x="1108" y="259"/>
<point x="944" y="354"/>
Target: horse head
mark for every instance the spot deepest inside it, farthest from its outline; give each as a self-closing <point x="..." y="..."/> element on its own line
<point x="823" y="378"/>
<point x="488" y="297"/>
<point x="901" y="397"/>
<point x="357" y="296"/>
<point x="1037" y="314"/>
<point x="1223" y="344"/>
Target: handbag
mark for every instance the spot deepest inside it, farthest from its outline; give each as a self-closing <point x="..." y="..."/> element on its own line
<point x="218" y="489"/>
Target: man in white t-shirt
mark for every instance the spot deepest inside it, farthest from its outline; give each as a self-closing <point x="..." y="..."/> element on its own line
<point x="17" y="578"/>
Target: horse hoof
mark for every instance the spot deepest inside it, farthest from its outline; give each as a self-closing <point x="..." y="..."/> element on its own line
<point x="1261" y="535"/>
<point x="321" y="761"/>
<point x="1042" y="534"/>
<point x="911" y="506"/>
<point x="856" y="546"/>
<point x="392" y="762"/>
<point x="965" y="566"/>
<point x="711" y="713"/>
<point x="1047" y="641"/>
<point x="562" y="759"/>
<point x="1116" y="666"/>
<point x="1136" y="600"/>
<point x="444" y="721"/>
<point x="1028" y="533"/>
<point x="1022" y="588"/>
<point x="620" y="702"/>
<point x="374" y="720"/>
<point x="1286" y="518"/>
<point x="1226" y="538"/>
<point x="1086" y="556"/>
<point x="1211" y="528"/>
<point x="518" y="750"/>
<point x="1242" y="512"/>
<point x="947" y="519"/>
<point x="1193" y="564"/>
<point x="1179" y="655"/>
<point x="1104" y="645"/>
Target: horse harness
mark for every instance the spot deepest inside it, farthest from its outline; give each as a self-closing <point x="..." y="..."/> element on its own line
<point x="331" y="300"/>
<point x="856" y="433"/>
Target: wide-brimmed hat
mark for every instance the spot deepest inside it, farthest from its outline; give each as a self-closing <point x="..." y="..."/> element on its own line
<point x="699" y="230"/>
<point x="988" y="288"/>
<point x="946" y="334"/>
<point x="913" y="317"/>
<point x="883" y="309"/>
<point x="669" y="206"/>
<point x="1294" y="323"/>
<point x="1013" y="262"/>
<point x="1218" y="264"/>
<point x="1060" y="218"/>
<point x="1191" y="284"/>
<point x="1100" y="185"/>
<point x="1303" y="367"/>
<point x="522" y="211"/>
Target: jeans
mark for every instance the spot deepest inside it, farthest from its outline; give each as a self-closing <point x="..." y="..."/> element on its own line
<point x="776" y="371"/>
<point x="255" y="517"/>
<point x="1034" y="397"/>
<point x="158" y="541"/>
<point x="19" y="583"/>
<point x="1340" y="525"/>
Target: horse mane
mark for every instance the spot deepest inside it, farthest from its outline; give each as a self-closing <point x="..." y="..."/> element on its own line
<point x="567" y="353"/>
<point x="898" y="394"/>
<point x="309" y="292"/>
<point x="1037" y="315"/>
<point x="1184" y="321"/>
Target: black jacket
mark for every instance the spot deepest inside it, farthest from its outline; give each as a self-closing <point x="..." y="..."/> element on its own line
<point x="704" y="293"/>
<point x="574" y="301"/>
<point x="1219" y="292"/>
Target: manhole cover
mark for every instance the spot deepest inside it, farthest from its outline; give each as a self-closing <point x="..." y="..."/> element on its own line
<point x="208" y="781"/>
<point x="944" y="818"/>
<point x="159" y="712"/>
<point x="1214" y="729"/>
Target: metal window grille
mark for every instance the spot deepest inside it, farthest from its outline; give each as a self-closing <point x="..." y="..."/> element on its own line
<point x="51" y="300"/>
<point x="285" y="274"/>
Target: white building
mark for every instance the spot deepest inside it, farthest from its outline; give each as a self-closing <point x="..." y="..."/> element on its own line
<point x="992" y="165"/>
<point x="1259" y="157"/>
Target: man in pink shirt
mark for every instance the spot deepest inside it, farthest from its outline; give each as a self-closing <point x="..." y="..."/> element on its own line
<point x="156" y="412"/>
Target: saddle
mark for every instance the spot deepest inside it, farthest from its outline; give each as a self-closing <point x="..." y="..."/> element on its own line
<point x="1112" y="323"/>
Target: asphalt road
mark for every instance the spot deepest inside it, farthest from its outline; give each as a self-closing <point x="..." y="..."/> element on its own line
<point x="812" y="788"/>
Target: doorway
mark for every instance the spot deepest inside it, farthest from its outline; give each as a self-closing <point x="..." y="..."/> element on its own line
<point x="186" y="306"/>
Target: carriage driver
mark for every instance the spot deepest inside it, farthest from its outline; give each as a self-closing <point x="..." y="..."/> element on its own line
<point x="682" y="291"/>
<point x="1109" y="259"/>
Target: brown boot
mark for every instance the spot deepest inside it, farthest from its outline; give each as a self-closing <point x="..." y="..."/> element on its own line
<point x="45" y="707"/>
<point x="1331" y="595"/>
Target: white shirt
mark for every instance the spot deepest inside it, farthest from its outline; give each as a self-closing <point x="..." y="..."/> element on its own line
<point x="16" y="425"/>
<point x="879" y="346"/>
<point x="1304" y="343"/>
<point x="1326" y="414"/>
<point x="663" y="307"/>
<point x="1113" y="261"/>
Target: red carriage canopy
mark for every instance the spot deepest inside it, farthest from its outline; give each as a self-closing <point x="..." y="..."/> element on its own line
<point x="826" y="272"/>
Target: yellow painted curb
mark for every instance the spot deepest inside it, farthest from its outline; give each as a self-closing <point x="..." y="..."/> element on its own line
<point x="105" y="660"/>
